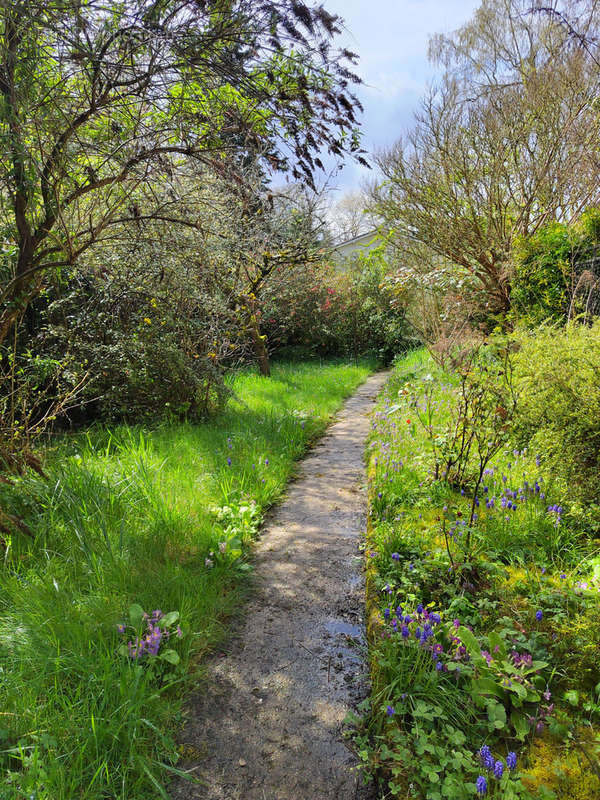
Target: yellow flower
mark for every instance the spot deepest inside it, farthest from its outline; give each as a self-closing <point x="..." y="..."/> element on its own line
<point x="147" y="320"/>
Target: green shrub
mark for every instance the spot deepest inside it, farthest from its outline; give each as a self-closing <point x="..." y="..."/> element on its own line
<point x="546" y="269"/>
<point x="559" y="415"/>
<point x="138" y="353"/>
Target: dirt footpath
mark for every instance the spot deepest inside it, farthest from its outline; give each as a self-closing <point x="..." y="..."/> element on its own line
<point x="269" y="726"/>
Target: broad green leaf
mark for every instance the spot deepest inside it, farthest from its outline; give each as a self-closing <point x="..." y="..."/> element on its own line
<point x="171" y="656"/>
<point x="136" y="615"/>
<point x="496" y="642"/>
<point x="572" y="697"/>
<point x="470" y="642"/>
<point x="169" y="619"/>
<point x="519" y="723"/>
<point x="487" y="686"/>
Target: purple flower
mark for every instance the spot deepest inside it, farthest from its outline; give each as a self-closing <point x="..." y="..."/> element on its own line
<point x="396" y="556"/>
<point x="539" y="615"/>
<point x="487" y="759"/>
<point x="511" y="760"/>
<point x="420" y="608"/>
<point x="390" y="711"/>
<point x="386" y="613"/>
<point x="266" y="462"/>
<point x="228" y="462"/>
<point x="405" y="632"/>
<point x="481" y="785"/>
<point x="121" y="628"/>
<point x="498" y="769"/>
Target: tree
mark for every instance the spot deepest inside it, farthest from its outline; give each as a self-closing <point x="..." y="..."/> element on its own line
<point x="103" y="105"/>
<point x="269" y="233"/>
<point x="505" y="144"/>
<point x="350" y="217"/>
<point x="97" y="100"/>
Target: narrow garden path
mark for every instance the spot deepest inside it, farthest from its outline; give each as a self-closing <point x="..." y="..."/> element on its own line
<point x="269" y="726"/>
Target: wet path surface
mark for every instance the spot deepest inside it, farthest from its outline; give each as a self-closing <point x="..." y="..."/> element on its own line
<point x="269" y="726"/>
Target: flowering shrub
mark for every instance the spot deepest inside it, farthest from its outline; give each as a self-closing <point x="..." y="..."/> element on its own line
<point x="322" y="310"/>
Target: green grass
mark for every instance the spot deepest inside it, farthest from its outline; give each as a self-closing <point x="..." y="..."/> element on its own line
<point x="136" y="516"/>
<point x="523" y="561"/>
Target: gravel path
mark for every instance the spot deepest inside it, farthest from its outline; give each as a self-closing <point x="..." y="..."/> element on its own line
<point x="269" y="726"/>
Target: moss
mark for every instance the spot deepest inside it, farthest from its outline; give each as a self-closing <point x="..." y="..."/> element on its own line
<point x="565" y="770"/>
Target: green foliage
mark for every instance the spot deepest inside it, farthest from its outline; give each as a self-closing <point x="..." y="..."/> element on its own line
<point x="546" y="274"/>
<point x="130" y="520"/>
<point x="325" y="311"/>
<point x="559" y="372"/>
<point x="137" y="360"/>
<point x="539" y="290"/>
<point x="497" y="651"/>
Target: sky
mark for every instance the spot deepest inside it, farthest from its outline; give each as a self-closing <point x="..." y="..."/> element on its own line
<point x="391" y="38"/>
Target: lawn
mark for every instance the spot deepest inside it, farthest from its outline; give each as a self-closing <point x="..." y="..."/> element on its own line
<point x="484" y="656"/>
<point x="132" y="521"/>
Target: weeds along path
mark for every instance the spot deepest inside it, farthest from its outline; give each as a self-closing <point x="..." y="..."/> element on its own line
<point x="268" y="726"/>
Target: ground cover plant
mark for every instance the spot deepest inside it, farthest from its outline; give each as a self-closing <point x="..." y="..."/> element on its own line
<point x="484" y="598"/>
<point x="136" y="567"/>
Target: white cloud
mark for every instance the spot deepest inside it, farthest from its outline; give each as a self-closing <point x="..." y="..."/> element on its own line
<point x="391" y="38"/>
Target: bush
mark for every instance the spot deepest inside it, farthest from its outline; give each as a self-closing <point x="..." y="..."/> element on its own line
<point x="559" y="416"/>
<point x="142" y="352"/>
<point x="323" y="310"/>
<point x="546" y="282"/>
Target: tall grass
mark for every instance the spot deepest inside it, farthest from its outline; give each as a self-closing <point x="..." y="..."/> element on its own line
<point x="135" y="516"/>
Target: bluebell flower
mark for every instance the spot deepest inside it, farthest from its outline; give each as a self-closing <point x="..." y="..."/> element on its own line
<point x="498" y="769"/>
<point x="405" y="632"/>
<point x="386" y="613"/>
<point x="420" y="608"/>
<point x="511" y="760"/>
<point x="390" y="711"/>
<point x="481" y="785"/>
<point x="396" y="556"/>
<point x="539" y="615"/>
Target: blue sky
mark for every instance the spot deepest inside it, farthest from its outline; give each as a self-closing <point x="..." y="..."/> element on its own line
<point x="391" y="38"/>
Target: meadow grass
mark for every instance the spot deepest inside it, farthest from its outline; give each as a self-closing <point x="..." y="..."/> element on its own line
<point x="159" y="518"/>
